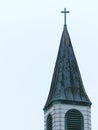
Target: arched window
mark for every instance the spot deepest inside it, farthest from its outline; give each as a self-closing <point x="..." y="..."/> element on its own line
<point x="49" y="122"/>
<point x="74" y="120"/>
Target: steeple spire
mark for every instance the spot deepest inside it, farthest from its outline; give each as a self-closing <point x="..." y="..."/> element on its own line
<point x="65" y="12"/>
<point x="67" y="107"/>
<point x="67" y="86"/>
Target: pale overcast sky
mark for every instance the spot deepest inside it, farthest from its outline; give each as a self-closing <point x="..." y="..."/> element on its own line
<point x="30" y="32"/>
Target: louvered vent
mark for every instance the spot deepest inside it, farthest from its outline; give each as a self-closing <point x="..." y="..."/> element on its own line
<point x="49" y="122"/>
<point x="74" y="120"/>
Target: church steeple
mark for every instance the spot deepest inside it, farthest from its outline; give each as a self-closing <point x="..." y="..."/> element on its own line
<point x="67" y="86"/>
<point x="68" y="106"/>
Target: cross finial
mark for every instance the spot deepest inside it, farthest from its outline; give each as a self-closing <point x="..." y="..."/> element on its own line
<point x="65" y="12"/>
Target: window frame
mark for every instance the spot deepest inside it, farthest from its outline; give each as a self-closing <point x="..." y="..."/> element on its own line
<point x="82" y="118"/>
<point x="49" y="116"/>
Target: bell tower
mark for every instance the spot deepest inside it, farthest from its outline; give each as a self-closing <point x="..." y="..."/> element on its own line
<point x="67" y="107"/>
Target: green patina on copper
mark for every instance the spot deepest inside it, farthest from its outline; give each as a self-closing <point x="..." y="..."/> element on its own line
<point x="67" y="86"/>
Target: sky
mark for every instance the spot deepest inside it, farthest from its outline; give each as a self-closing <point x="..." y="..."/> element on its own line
<point x="30" y="33"/>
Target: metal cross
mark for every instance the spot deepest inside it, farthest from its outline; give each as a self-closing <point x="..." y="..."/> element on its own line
<point x="65" y="12"/>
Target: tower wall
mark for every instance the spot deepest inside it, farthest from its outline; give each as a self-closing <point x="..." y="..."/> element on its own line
<point x="58" y="112"/>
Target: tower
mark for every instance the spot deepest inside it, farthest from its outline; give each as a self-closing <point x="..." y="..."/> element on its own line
<point x="67" y="107"/>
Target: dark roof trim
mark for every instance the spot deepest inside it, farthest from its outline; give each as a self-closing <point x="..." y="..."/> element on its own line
<point x="70" y="102"/>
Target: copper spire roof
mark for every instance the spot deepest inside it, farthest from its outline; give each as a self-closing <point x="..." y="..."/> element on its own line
<point x="67" y="86"/>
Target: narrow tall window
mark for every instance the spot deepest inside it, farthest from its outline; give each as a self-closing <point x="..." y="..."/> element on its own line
<point x="74" y="120"/>
<point x="49" y="122"/>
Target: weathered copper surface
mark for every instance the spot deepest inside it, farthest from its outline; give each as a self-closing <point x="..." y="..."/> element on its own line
<point x="67" y="86"/>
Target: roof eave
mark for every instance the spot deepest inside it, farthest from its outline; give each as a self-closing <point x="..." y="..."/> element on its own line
<point x="67" y="102"/>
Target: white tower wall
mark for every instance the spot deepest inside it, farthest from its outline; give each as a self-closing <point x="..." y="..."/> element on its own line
<point x="58" y="112"/>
